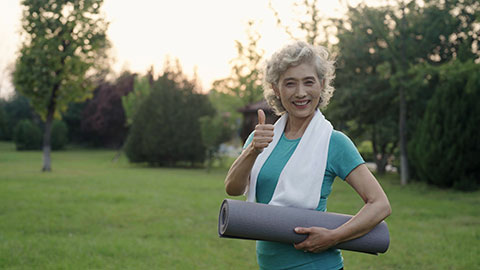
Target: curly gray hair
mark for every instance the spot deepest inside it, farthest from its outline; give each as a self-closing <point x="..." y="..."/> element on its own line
<point x="295" y="54"/>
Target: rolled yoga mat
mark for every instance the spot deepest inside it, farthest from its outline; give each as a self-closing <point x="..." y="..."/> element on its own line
<point x="257" y="221"/>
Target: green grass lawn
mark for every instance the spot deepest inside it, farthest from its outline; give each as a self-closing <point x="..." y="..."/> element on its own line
<point x="92" y="213"/>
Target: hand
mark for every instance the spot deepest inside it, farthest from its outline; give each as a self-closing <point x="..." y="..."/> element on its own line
<point x="318" y="240"/>
<point x="263" y="134"/>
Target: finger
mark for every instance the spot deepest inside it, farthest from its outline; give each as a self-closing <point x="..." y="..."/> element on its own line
<point x="301" y="230"/>
<point x="298" y="246"/>
<point x="261" y="117"/>
<point x="302" y="245"/>
<point x="263" y="134"/>
<point x="265" y="127"/>
<point x="264" y="140"/>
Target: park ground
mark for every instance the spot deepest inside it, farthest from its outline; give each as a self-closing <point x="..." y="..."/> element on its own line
<point x="94" y="213"/>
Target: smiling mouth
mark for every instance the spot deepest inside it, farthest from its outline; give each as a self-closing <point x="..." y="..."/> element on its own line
<point x="301" y="102"/>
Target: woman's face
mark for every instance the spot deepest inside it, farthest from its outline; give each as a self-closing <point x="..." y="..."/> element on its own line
<point x="299" y="90"/>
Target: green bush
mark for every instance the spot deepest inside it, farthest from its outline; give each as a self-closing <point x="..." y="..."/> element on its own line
<point x="3" y="124"/>
<point x="366" y="150"/>
<point x="59" y="135"/>
<point x="445" y="145"/>
<point x="27" y="136"/>
<point x="215" y="130"/>
<point x="165" y="129"/>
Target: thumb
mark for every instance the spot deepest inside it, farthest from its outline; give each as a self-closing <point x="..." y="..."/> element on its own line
<point x="261" y="117"/>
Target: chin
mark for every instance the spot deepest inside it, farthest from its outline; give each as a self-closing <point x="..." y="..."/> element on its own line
<point x="302" y="113"/>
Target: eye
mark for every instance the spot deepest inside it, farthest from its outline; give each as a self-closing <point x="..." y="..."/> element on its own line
<point x="309" y="82"/>
<point x="290" y="84"/>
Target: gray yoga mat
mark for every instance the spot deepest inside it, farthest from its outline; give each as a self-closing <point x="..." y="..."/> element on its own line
<point x="257" y="221"/>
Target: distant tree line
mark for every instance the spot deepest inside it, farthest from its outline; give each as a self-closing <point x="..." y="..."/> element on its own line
<point x="407" y="84"/>
<point x="162" y="121"/>
<point x="96" y="122"/>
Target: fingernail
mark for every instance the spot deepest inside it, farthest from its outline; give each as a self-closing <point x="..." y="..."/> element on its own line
<point x="297" y="229"/>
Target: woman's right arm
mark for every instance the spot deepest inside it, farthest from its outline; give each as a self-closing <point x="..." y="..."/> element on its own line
<point x="238" y="176"/>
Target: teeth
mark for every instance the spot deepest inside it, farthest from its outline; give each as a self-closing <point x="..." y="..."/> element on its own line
<point x="301" y="103"/>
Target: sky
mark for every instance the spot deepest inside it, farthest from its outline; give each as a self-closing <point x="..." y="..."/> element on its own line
<point x="201" y="34"/>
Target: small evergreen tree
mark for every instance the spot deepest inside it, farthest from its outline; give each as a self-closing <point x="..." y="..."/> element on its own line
<point x="166" y="129"/>
<point x="446" y="145"/>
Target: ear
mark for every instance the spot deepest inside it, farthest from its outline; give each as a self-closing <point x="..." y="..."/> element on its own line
<point x="323" y="83"/>
<point x="276" y="90"/>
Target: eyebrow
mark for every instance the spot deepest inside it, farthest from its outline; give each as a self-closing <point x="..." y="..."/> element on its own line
<point x="295" y="79"/>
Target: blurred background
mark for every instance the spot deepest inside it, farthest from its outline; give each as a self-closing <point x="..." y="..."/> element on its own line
<point x="109" y="94"/>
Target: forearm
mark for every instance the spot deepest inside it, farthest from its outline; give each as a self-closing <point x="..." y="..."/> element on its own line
<point x="365" y="220"/>
<point x="238" y="176"/>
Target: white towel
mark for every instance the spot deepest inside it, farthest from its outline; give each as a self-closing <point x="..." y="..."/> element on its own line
<point x="300" y="182"/>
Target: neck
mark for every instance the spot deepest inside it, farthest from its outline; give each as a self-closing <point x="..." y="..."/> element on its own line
<point x="296" y="126"/>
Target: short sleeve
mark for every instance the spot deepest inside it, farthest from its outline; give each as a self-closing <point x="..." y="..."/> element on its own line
<point x="249" y="140"/>
<point x="343" y="156"/>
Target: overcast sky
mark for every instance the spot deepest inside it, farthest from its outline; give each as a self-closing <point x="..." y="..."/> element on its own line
<point x="201" y="34"/>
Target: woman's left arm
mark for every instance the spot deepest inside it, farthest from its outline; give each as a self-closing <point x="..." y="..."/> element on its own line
<point x="376" y="209"/>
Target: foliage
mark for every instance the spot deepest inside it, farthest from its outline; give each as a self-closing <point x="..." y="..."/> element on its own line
<point x="103" y="117"/>
<point x="244" y="85"/>
<point x="166" y="127"/>
<point x="16" y="109"/>
<point x="131" y="102"/>
<point x="27" y="136"/>
<point x="446" y="145"/>
<point x="72" y="117"/>
<point x="59" y="135"/>
<point x="312" y="24"/>
<point x="3" y="123"/>
<point x="63" y="40"/>
<point x="215" y="130"/>
<point x="364" y="96"/>
<point x="365" y="150"/>
<point x="379" y="49"/>
<point x="63" y="43"/>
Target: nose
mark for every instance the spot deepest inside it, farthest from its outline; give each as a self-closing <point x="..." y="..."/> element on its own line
<point x="301" y="92"/>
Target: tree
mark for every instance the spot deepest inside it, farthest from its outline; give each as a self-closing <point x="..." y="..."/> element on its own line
<point x="445" y="145"/>
<point x="313" y="27"/>
<point x="244" y="86"/>
<point x="141" y="90"/>
<point x="363" y="99"/>
<point x="103" y="117"/>
<point x="379" y="48"/>
<point x="166" y="127"/>
<point x="64" y="41"/>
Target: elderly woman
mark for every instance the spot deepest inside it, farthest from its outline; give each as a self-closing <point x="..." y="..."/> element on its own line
<point x="294" y="162"/>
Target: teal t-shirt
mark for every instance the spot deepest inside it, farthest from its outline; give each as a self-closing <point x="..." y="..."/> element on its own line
<point x="342" y="158"/>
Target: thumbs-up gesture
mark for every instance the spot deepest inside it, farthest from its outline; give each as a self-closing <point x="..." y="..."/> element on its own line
<point x="263" y="134"/>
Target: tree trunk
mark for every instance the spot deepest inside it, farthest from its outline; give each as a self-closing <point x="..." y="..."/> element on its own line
<point x="404" y="171"/>
<point x="402" y="126"/>
<point x="47" y="143"/>
<point x="381" y="162"/>
<point x="379" y="154"/>
<point x="47" y="135"/>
